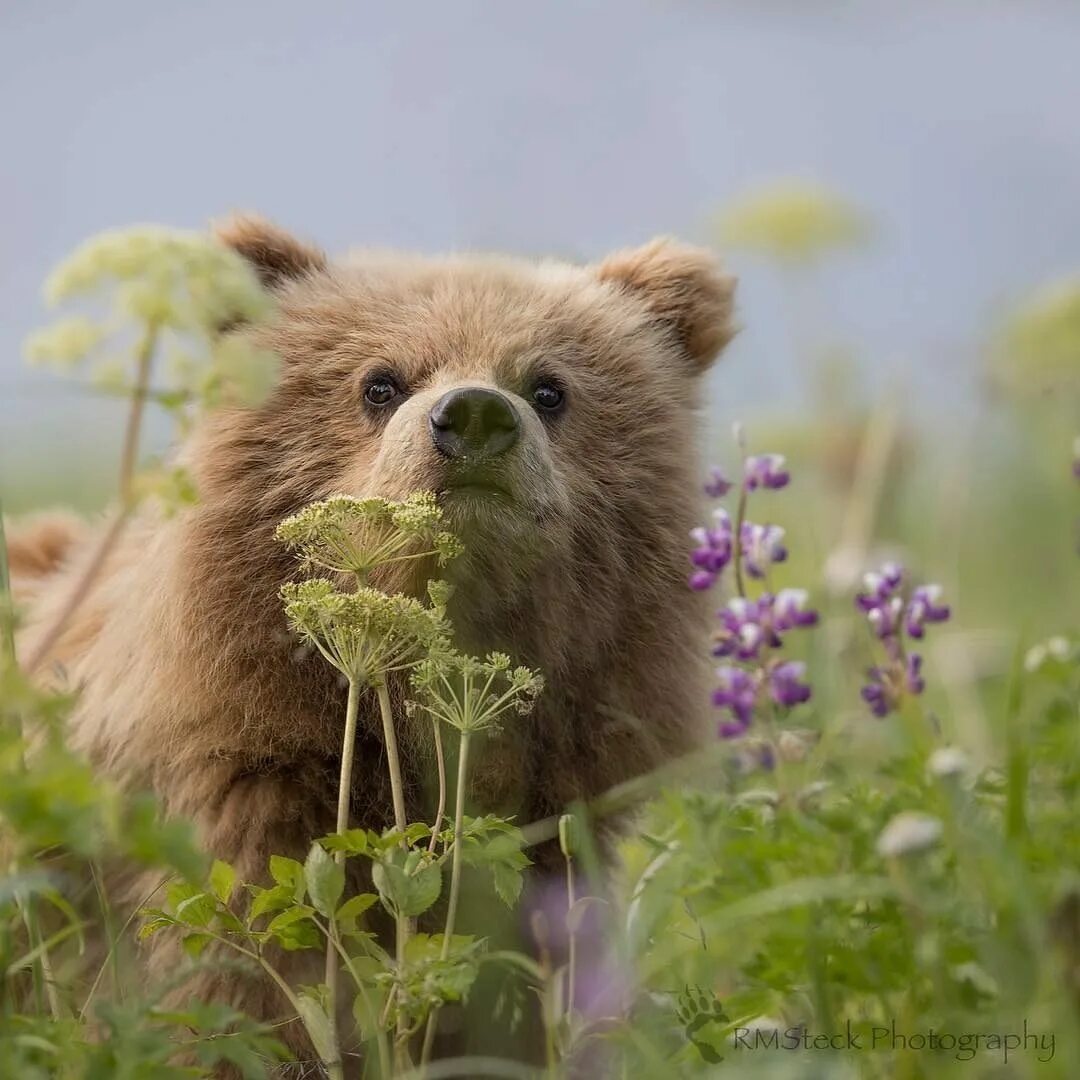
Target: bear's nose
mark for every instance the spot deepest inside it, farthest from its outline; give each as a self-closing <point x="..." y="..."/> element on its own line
<point x="474" y="422"/>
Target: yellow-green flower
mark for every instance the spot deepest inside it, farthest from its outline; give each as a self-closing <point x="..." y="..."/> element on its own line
<point x="353" y="535"/>
<point x="364" y="634"/>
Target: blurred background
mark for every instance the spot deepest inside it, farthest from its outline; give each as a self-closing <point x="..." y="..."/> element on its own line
<point x="897" y="187"/>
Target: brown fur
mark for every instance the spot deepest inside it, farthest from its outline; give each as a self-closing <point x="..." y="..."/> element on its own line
<point x="191" y="682"/>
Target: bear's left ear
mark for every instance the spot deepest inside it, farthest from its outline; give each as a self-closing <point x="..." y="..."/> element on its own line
<point x="276" y="255"/>
<point x="685" y="288"/>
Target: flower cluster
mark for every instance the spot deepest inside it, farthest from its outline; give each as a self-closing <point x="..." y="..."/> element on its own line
<point x="182" y="289"/>
<point x="751" y="631"/>
<point x="759" y="545"/>
<point x="892" y="618"/>
<point x="365" y="634"/>
<point x="471" y="694"/>
<point x="351" y="535"/>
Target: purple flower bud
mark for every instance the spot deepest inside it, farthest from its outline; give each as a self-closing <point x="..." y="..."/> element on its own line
<point x="879" y="587"/>
<point x="913" y="679"/>
<point x="923" y="608"/>
<point x="718" y="484"/>
<point x="765" y="470"/>
<point x="712" y="551"/>
<point x="876" y="693"/>
<point x="700" y="580"/>
<point x="790" y="610"/>
<point x="784" y="685"/>
<point x="737" y="692"/>
<point x="761" y="545"/>
<point x="885" y="619"/>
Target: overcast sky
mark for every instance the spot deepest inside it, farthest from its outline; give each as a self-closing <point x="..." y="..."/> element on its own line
<point x="560" y="127"/>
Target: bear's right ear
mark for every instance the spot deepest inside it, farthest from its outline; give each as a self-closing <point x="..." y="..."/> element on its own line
<point x="275" y="255"/>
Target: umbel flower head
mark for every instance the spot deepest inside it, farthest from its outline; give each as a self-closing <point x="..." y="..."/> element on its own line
<point x="354" y="536"/>
<point x="364" y="634"/>
<point x="472" y="694"/>
<point x="181" y="289"/>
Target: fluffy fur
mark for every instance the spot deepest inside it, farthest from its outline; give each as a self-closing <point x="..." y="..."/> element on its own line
<point x="191" y="684"/>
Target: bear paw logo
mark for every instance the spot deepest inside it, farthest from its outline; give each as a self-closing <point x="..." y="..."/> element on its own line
<point x="703" y="1019"/>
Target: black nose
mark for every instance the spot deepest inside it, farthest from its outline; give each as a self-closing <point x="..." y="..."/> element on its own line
<point x="473" y="423"/>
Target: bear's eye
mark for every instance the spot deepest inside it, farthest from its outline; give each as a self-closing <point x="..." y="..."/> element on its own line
<point x="547" y="396"/>
<point x="381" y="391"/>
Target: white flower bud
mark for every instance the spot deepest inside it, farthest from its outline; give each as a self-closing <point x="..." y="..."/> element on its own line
<point x="907" y="833"/>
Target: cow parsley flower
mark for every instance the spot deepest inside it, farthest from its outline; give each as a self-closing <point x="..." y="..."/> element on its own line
<point x="365" y="634"/>
<point x="471" y="694"/>
<point x="892" y="618"/>
<point x="353" y="535"/>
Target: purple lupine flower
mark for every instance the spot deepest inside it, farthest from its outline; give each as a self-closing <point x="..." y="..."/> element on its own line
<point x="880" y="586"/>
<point x="913" y="679"/>
<point x="712" y="552"/>
<point x="745" y="626"/>
<point x="718" y="485"/>
<point x="765" y="470"/>
<point x="785" y="687"/>
<point x="790" y="610"/>
<point x="761" y="546"/>
<point x="885" y="619"/>
<point x="923" y="608"/>
<point x="736" y="692"/>
<point x="876" y="693"/>
<point x="891" y="617"/>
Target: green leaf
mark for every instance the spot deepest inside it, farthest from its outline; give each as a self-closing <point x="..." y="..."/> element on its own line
<point x="195" y="943"/>
<point x="325" y="879"/>
<point x="407" y="893"/>
<point x="293" y="929"/>
<point x="222" y="880"/>
<point x="196" y="910"/>
<point x="355" y="906"/>
<point x="265" y="901"/>
<point x="290" y="873"/>
<point x="318" y="1027"/>
<point x="351" y="841"/>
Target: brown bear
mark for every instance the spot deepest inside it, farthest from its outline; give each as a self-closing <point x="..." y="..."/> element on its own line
<point x="551" y="407"/>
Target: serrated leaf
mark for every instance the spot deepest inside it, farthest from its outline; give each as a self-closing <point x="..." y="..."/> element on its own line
<point x="222" y="880"/>
<point x="355" y="906"/>
<point x="195" y="943"/>
<point x="404" y="893"/>
<point x="325" y="879"/>
<point x="290" y="873"/>
<point x="508" y="882"/>
<point x="268" y="900"/>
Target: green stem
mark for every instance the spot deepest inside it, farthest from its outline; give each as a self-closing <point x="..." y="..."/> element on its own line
<point x="441" y="763"/>
<point x="128" y="500"/>
<point x="571" y="962"/>
<point x="740" y="517"/>
<point x="397" y="793"/>
<point x="455" y="879"/>
<point x="348" y="749"/>
<point x="393" y="761"/>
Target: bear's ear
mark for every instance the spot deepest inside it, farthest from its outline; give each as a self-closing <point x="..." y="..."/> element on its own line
<point x="685" y="288"/>
<point x="277" y="256"/>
